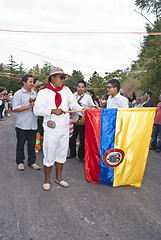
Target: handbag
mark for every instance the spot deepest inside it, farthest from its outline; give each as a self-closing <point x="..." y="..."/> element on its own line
<point x="76" y="116"/>
<point x="81" y="120"/>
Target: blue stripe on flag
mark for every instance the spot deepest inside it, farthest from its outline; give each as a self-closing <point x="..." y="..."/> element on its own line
<point x="107" y="141"/>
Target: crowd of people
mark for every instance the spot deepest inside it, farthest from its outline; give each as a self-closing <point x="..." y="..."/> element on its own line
<point x="5" y="103"/>
<point x="42" y="119"/>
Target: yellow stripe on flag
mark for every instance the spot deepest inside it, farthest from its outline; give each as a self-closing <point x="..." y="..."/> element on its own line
<point x="132" y="135"/>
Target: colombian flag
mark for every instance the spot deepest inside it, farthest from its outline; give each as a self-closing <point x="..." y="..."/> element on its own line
<point x="117" y="144"/>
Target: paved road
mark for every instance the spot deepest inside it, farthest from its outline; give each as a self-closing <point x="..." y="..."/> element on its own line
<point x="84" y="211"/>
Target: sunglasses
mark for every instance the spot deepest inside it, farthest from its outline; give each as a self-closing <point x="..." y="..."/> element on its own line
<point x="109" y="87"/>
<point x="62" y="77"/>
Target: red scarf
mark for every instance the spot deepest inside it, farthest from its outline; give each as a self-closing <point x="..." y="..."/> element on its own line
<point x="58" y="99"/>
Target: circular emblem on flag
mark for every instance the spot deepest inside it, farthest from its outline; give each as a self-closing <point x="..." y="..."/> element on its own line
<point x="113" y="157"/>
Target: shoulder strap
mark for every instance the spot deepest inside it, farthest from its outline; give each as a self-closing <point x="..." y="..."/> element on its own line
<point x="80" y="99"/>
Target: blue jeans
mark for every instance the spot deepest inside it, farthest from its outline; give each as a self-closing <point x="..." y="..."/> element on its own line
<point x="156" y="133"/>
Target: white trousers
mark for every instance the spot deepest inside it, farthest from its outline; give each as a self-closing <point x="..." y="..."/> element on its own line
<point x="55" y="146"/>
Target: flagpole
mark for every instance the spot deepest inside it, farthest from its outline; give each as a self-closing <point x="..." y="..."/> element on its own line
<point x="74" y="111"/>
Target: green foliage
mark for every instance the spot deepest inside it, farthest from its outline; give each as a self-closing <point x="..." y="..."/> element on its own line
<point x="21" y="70"/>
<point x="10" y="75"/>
<point x="13" y="66"/>
<point x="45" y="70"/>
<point x="97" y="84"/>
<point x="72" y="81"/>
<point x="150" y="61"/>
<point x="41" y="73"/>
<point x="151" y="6"/>
<point x="1" y="68"/>
<point x="121" y="75"/>
<point x="10" y="83"/>
<point x="35" y="70"/>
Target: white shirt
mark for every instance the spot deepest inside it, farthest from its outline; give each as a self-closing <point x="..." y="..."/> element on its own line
<point x="86" y="99"/>
<point x="45" y="101"/>
<point x="118" y="101"/>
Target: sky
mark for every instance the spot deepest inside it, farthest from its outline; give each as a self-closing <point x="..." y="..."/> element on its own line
<point x="71" y="45"/>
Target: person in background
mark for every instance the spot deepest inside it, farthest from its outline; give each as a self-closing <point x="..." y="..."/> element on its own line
<point x="122" y="92"/>
<point x="103" y="101"/>
<point x="35" y="82"/>
<point x="98" y="98"/>
<point x="138" y="103"/>
<point x="26" y="123"/>
<point x="127" y="95"/>
<point x="2" y="100"/>
<point x="133" y="99"/>
<point x="6" y="104"/>
<point x="94" y="98"/>
<point x="157" y="129"/>
<point x="10" y="99"/>
<point x="39" y="86"/>
<point x="149" y="101"/>
<point x="40" y="132"/>
<point x="83" y="99"/>
<point x="115" y="100"/>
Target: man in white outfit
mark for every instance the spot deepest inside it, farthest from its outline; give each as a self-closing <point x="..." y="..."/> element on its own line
<point x="115" y="100"/>
<point x="51" y="103"/>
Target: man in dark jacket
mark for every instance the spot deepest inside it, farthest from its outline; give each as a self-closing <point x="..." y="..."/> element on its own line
<point x="148" y="102"/>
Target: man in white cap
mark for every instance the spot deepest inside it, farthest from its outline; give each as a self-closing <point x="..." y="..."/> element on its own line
<point x="51" y="103"/>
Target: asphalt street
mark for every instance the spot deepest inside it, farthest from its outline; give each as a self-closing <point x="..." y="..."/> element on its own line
<point x="83" y="211"/>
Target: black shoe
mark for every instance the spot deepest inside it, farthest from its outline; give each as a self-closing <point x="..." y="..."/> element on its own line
<point x="81" y="160"/>
<point x="152" y="148"/>
<point x="157" y="150"/>
<point x="71" y="156"/>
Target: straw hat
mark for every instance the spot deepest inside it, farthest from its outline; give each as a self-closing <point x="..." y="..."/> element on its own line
<point x="39" y="84"/>
<point x="58" y="70"/>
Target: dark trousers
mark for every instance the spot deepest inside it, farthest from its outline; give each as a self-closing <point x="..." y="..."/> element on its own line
<point x="72" y="142"/>
<point x="22" y="137"/>
<point x="1" y="110"/>
<point x="156" y="133"/>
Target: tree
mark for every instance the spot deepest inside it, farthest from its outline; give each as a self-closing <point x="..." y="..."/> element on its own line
<point x="97" y="84"/>
<point x="12" y="65"/>
<point x="150" y="61"/>
<point x="12" y="73"/>
<point x="35" y="70"/>
<point x="45" y="70"/>
<point x="72" y="81"/>
<point x="21" y="69"/>
<point x="120" y="74"/>
<point x="41" y="73"/>
<point x="1" y="68"/>
<point x="10" y="83"/>
<point x="151" y="6"/>
<point x="150" y="55"/>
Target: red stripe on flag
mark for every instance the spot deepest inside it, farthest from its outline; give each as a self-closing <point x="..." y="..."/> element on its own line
<point x="92" y="144"/>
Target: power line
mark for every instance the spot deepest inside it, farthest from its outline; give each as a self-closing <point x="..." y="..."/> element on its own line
<point x="79" y="33"/>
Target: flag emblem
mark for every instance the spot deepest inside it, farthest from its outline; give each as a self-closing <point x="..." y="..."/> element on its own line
<point x="113" y="157"/>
